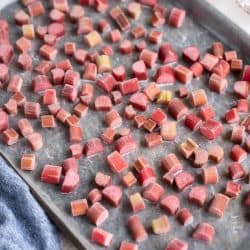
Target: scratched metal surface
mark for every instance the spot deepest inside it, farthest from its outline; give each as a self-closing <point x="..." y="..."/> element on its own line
<point x="232" y="231"/>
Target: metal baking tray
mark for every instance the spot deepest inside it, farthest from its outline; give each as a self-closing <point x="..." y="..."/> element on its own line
<point x="232" y="231"/>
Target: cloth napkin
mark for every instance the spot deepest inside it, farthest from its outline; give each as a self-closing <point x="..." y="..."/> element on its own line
<point x="23" y="223"/>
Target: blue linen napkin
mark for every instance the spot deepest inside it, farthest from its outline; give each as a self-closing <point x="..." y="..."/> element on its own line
<point x="23" y="223"/>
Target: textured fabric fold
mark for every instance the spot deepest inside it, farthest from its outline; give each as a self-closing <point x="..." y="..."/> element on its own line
<point x="23" y="223"/>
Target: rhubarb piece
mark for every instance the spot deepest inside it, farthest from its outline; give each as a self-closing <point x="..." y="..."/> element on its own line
<point x="177" y="244"/>
<point x="236" y="171"/>
<point x="167" y="54"/>
<point x="146" y="176"/>
<point x="69" y="92"/>
<point x="75" y="134"/>
<point x="158" y="17"/>
<point x="158" y="116"/>
<point x="183" y="180"/>
<point x="35" y="140"/>
<point x="102" y="180"/>
<point x="238" y="133"/>
<point x="137" y="229"/>
<point x="217" y="83"/>
<point x="94" y="195"/>
<point x="177" y="17"/>
<point x="19" y="98"/>
<point x="170" y="162"/>
<point x="151" y="91"/>
<point x="219" y="204"/>
<point x="103" y="103"/>
<point x="115" y="35"/>
<point x="64" y="64"/>
<point x="28" y="162"/>
<point x="80" y="109"/>
<point x="149" y="57"/>
<point x="183" y="74"/>
<point x="170" y="203"/>
<point x="119" y="17"/>
<point x="76" y="12"/>
<point x="215" y="153"/>
<point x="80" y="56"/>
<point x="24" y="62"/>
<point x="165" y="75"/>
<point x="41" y="31"/>
<point x="36" y="9"/>
<point x="125" y="47"/>
<point x="198" y="195"/>
<point x="107" y="82"/>
<point x="28" y="31"/>
<point x="11" y="106"/>
<point x="188" y="147"/>
<point x="138" y="31"/>
<point x="125" y="144"/>
<point x="153" y="139"/>
<point x="119" y="73"/>
<point x="207" y="112"/>
<point x="128" y="245"/>
<point x="241" y="89"/>
<point x="155" y="36"/>
<point x="103" y="63"/>
<point x="87" y="93"/>
<point x="101" y="237"/>
<point x="204" y="232"/>
<point x="198" y="98"/>
<point x="140" y="164"/>
<point x="23" y="44"/>
<point x="15" y="84"/>
<point x="48" y="52"/>
<point x="136" y="202"/>
<point x="232" y="116"/>
<point x="218" y="49"/>
<point x="183" y="92"/>
<point x="85" y="26"/>
<point x="139" y="70"/>
<point x="139" y="120"/>
<point x="32" y="110"/>
<point x="129" y="86"/>
<point x="191" y="53"/>
<point x="62" y="115"/>
<point x="149" y="125"/>
<point x="168" y="130"/>
<point x="10" y="136"/>
<point x="161" y="225"/>
<point x="116" y="162"/>
<point x="41" y="83"/>
<point x="164" y="97"/>
<point x="21" y="17"/>
<point x="113" y="194"/>
<point x="70" y="163"/>
<point x="97" y="213"/>
<point x="51" y="174"/>
<point x="103" y="25"/>
<point x="177" y="108"/>
<point x="72" y="120"/>
<point x="70" y="182"/>
<point x="153" y="192"/>
<point x="56" y="29"/>
<point x="49" y="97"/>
<point x="108" y="135"/>
<point x="57" y="76"/>
<point x="192" y="121"/>
<point x="76" y="150"/>
<point x="48" y="121"/>
<point x="71" y="77"/>
<point x="93" y="39"/>
<point x="25" y="127"/>
<point x="200" y="157"/>
<point x="232" y="189"/>
<point x="237" y="153"/>
<point x="129" y="179"/>
<point x="79" y="207"/>
<point x="184" y="216"/>
<point x="116" y="97"/>
<point x="197" y="69"/>
<point x="4" y="72"/>
<point x="113" y="119"/>
<point x="230" y="55"/>
<point x="93" y="147"/>
<point x="169" y="177"/>
<point x="210" y="175"/>
<point x="209" y="61"/>
<point x="134" y="10"/>
<point x="236" y="65"/>
<point x="242" y="105"/>
<point x="211" y="129"/>
<point x="140" y="46"/>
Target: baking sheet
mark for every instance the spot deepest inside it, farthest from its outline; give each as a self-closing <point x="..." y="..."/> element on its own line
<point x="232" y="231"/>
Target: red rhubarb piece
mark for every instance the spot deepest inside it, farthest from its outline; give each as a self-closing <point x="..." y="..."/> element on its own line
<point x="25" y="127"/>
<point x="200" y="157"/>
<point x="192" y="121"/>
<point x="51" y="174"/>
<point x="219" y="204"/>
<point x="183" y="180"/>
<point x="209" y="61"/>
<point x="70" y="163"/>
<point x="184" y="216"/>
<point x="129" y="86"/>
<point x="93" y="147"/>
<point x="94" y="195"/>
<point x="232" y="189"/>
<point x="139" y="70"/>
<point x="211" y="129"/>
<point x="177" y="108"/>
<point x="97" y="213"/>
<point x="191" y="53"/>
<point x="113" y="194"/>
<point x="170" y="203"/>
<point x="204" y="232"/>
<point x="70" y="181"/>
<point x="236" y="171"/>
<point x="222" y="68"/>
<point x="125" y="144"/>
<point x="207" y="112"/>
<point x="128" y="246"/>
<point x="119" y="73"/>
<point x="177" y="244"/>
<point x="197" y="69"/>
<point x="137" y="229"/>
<point x="198" y="195"/>
<point x="170" y="162"/>
<point x="177" y="17"/>
<point x="79" y="207"/>
<point x="167" y="54"/>
<point x="107" y="82"/>
<point x="10" y="136"/>
<point x="103" y="103"/>
<point x="237" y="153"/>
<point x="153" y="192"/>
<point x="165" y="75"/>
<point x="153" y="139"/>
<point x="102" y="180"/>
<point x="149" y="57"/>
<point x="116" y="162"/>
<point x="146" y="176"/>
<point x="101" y="237"/>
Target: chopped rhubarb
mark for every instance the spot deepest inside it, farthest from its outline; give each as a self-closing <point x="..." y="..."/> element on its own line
<point x="51" y="174"/>
<point x="170" y="203"/>
<point x="93" y="147"/>
<point x="184" y="216"/>
<point x="137" y="229"/>
<point x="183" y="180"/>
<point x="153" y="192"/>
<point x="219" y="204"/>
<point x="28" y="162"/>
<point x="79" y="207"/>
<point x="204" y="232"/>
<point x="113" y="194"/>
<point x="101" y="237"/>
<point x="211" y="129"/>
<point x="97" y="213"/>
<point x="161" y="225"/>
<point x="198" y="195"/>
